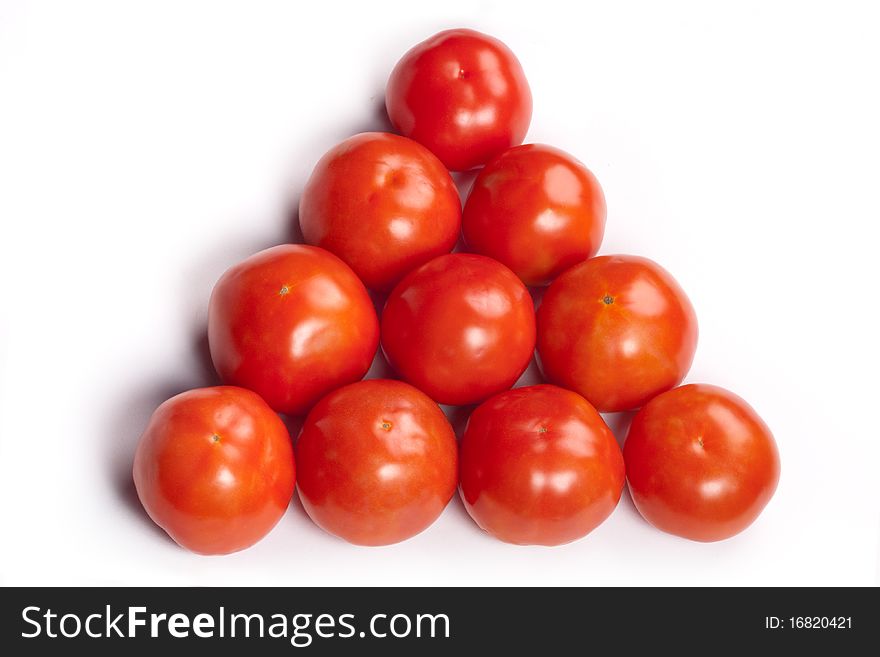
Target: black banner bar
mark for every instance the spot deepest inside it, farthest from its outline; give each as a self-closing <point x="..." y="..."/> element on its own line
<point x="334" y="621"/>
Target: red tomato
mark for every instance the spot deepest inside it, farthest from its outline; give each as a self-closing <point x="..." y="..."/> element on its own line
<point x="463" y="95"/>
<point x="460" y="328"/>
<point x="616" y="329"/>
<point x="214" y="469"/>
<point x="537" y="210"/>
<point x="539" y="466"/>
<point x="377" y="462"/>
<point x="291" y="323"/>
<point x="700" y="463"/>
<point x="384" y="204"/>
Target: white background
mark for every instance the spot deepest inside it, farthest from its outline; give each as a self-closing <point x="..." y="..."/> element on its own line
<point x="145" y="147"/>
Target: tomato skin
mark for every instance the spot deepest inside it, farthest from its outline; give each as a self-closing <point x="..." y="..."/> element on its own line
<point x="618" y="330"/>
<point x="700" y="463"/>
<point x="537" y="210"/>
<point x="291" y="323"/>
<point x="384" y="204"/>
<point x="214" y="468"/>
<point x="463" y="95"/>
<point x="460" y="328"/>
<point x="378" y="462"/>
<point x="539" y="466"/>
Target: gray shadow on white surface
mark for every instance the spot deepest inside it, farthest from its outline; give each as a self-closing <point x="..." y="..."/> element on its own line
<point x="456" y="508"/>
<point x="130" y="418"/>
<point x="124" y="430"/>
<point x="537" y="294"/>
<point x="464" y="180"/>
<point x="627" y="506"/>
<point x="377" y="121"/>
<point x="531" y="375"/>
<point x="296" y="508"/>
<point x="458" y="417"/>
<point x="380" y="369"/>
<point x="619" y="425"/>
<point x="289" y="232"/>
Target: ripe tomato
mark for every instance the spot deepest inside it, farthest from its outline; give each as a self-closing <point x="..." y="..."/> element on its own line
<point x="377" y="462"/>
<point x="384" y="204"/>
<point x="700" y="463"/>
<point x="537" y="210"/>
<point x="539" y="466"/>
<point x="462" y="94"/>
<point x="460" y="328"/>
<point x="214" y="468"/>
<point x="616" y="329"/>
<point x="291" y="323"/>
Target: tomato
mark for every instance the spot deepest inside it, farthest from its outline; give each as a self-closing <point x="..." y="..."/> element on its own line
<point x="462" y="94"/>
<point x="616" y="329"/>
<point x="537" y="210"/>
<point x="377" y="462"/>
<point x="700" y="463"/>
<point x="460" y="328"/>
<point x="291" y="323"/>
<point x="384" y="204"/>
<point x="214" y="468"/>
<point x="539" y="466"/>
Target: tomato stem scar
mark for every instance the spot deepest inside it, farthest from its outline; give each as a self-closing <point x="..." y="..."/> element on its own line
<point x="284" y="290"/>
<point x="215" y="438"/>
<point x="608" y="299"/>
<point x="386" y="425"/>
